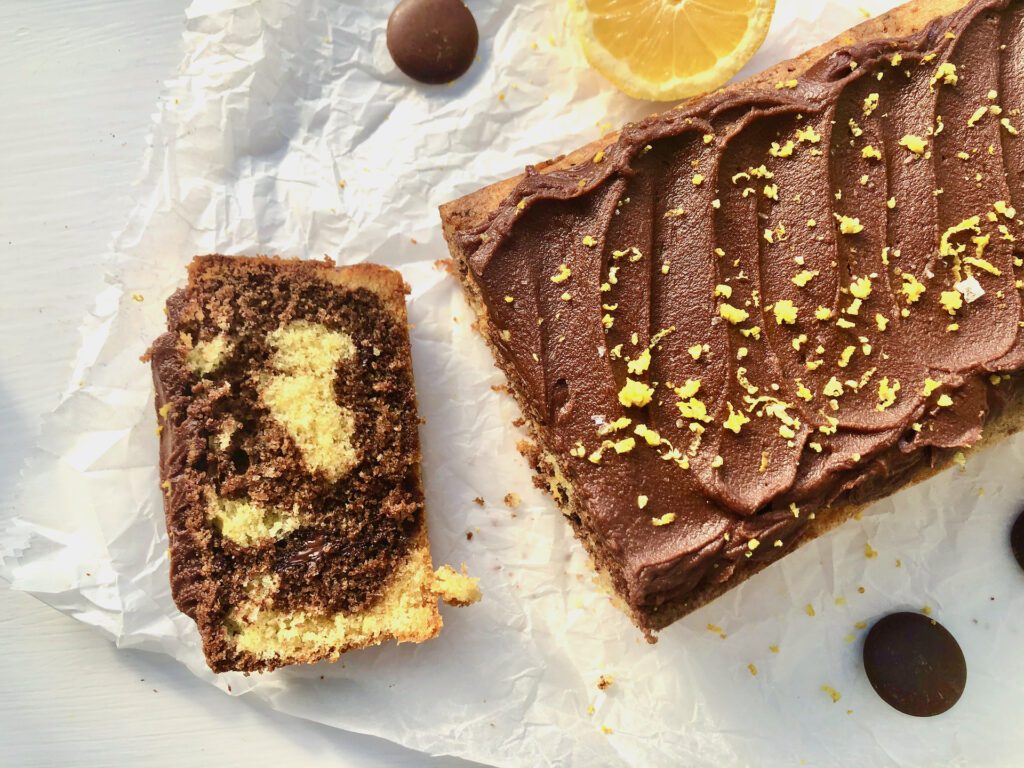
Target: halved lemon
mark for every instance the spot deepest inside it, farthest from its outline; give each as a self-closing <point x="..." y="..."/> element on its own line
<point x="665" y="50"/>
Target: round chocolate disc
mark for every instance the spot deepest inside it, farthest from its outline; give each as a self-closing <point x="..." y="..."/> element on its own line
<point x="914" y="664"/>
<point x="433" y="41"/>
<point x="1017" y="539"/>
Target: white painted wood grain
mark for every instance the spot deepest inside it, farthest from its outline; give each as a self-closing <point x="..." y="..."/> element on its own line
<point x="78" y="82"/>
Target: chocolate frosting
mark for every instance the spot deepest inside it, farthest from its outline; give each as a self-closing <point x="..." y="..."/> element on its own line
<point x="833" y="261"/>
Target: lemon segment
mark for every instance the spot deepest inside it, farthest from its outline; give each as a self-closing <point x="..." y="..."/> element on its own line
<point x="665" y="50"/>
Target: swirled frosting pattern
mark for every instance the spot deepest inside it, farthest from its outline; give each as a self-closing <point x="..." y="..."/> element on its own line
<point x="747" y="308"/>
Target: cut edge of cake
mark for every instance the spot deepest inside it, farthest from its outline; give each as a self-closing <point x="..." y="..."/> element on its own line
<point x="472" y="210"/>
<point x="406" y="611"/>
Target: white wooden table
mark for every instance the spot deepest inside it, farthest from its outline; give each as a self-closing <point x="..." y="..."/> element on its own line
<point x="78" y="83"/>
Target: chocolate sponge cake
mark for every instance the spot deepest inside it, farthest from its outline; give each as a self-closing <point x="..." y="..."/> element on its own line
<point x="731" y="325"/>
<point x="289" y="458"/>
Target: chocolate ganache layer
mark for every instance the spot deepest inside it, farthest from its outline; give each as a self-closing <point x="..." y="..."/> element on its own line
<point x="769" y="301"/>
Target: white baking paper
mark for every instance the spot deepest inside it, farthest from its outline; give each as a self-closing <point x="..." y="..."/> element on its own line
<point x="288" y="130"/>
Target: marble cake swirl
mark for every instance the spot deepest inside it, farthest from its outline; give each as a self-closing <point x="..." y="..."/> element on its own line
<point x="290" y="460"/>
<point x="751" y="307"/>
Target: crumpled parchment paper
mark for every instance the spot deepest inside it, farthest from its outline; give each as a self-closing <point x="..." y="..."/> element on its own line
<point x="288" y="130"/>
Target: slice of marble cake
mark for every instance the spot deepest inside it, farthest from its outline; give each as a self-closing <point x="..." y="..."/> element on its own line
<point x="289" y="459"/>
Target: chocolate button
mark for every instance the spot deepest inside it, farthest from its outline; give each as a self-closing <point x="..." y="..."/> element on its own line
<point x="914" y="664"/>
<point x="433" y="41"/>
<point x="1017" y="539"/>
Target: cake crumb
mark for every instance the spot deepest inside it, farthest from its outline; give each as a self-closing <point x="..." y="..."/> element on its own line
<point x="479" y="501"/>
<point x="717" y="630"/>
<point x="836" y="695"/>
<point x="512" y="500"/>
<point x="455" y="587"/>
<point x="605" y="681"/>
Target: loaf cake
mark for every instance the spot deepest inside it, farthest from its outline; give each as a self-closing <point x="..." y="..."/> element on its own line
<point x="731" y="325"/>
<point x="289" y="460"/>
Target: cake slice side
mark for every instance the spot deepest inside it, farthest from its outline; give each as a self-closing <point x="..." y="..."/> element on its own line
<point x="473" y="212"/>
<point x="290" y="463"/>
